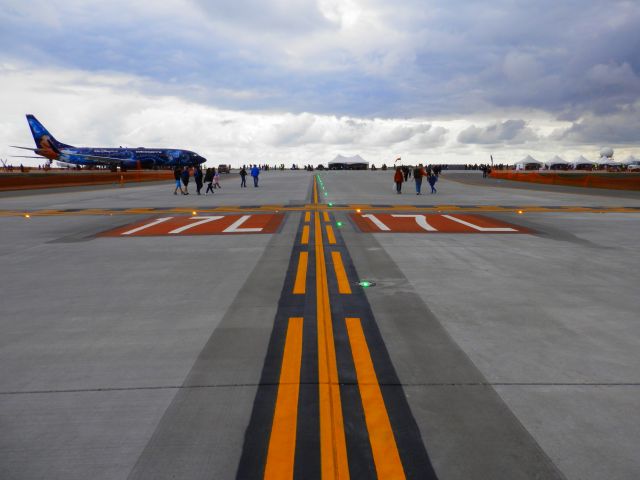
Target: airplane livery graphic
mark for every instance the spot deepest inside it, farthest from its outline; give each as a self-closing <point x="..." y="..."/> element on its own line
<point x="47" y="146"/>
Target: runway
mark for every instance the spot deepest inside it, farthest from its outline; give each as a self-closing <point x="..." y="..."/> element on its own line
<point x="320" y="326"/>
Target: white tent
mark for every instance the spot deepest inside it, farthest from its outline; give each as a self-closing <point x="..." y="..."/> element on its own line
<point x="582" y="163"/>
<point x="557" y="163"/>
<point x="348" y="163"/>
<point x="529" y="163"/>
<point x="608" y="162"/>
<point x="629" y="159"/>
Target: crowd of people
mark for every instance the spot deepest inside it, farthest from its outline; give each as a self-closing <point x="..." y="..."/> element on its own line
<point x="211" y="176"/>
<point x="402" y="174"/>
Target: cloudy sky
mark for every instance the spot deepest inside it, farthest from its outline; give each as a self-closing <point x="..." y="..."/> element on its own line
<point x="304" y="80"/>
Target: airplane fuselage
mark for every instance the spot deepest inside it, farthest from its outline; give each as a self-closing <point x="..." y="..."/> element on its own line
<point x="130" y="157"/>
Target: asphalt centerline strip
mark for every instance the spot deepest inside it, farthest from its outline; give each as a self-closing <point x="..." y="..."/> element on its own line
<point x="304" y="240"/>
<point x="282" y="443"/>
<point x="300" y="285"/>
<point x="330" y="235"/>
<point x="341" y="274"/>
<point x="333" y="449"/>
<point x="383" y="443"/>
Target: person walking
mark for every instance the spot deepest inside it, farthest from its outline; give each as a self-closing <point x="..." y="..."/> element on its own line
<point x="216" y="180"/>
<point x="197" y="176"/>
<point x="432" y="179"/>
<point x="255" y="172"/>
<point x="398" y="177"/>
<point x="177" y="172"/>
<point x="185" y="180"/>
<point x="418" y="173"/>
<point x="208" y="179"/>
<point x="243" y="177"/>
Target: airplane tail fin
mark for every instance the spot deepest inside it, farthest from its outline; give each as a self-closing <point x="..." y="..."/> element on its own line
<point x="44" y="140"/>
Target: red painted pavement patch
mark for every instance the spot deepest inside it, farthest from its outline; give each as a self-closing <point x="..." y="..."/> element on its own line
<point x="199" y="225"/>
<point x="432" y="223"/>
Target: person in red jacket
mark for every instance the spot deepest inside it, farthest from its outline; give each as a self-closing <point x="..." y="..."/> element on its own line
<point x="398" y="177"/>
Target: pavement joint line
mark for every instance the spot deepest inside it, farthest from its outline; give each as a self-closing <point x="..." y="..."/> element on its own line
<point x="346" y="384"/>
<point x="321" y="207"/>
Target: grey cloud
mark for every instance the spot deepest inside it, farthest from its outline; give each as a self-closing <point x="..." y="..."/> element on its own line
<point x="272" y="17"/>
<point x="510" y="131"/>
<point x="617" y="128"/>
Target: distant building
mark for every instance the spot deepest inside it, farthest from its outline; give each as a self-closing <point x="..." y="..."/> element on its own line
<point x="348" y="163"/>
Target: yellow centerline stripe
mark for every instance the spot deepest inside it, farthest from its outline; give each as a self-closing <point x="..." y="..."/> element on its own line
<point x="307" y="216"/>
<point x="333" y="447"/>
<point x="300" y="285"/>
<point x="282" y="443"/>
<point x="315" y="191"/>
<point x="305" y="235"/>
<point x="341" y="274"/>
<point x="325" y="216"/>
<point x="330" y="235"/>
<point x="383" y="443"/>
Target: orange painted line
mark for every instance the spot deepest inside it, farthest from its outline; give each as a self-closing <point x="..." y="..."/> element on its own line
<point x="330" y="235"/>
<point x="282" y="443"/>
<point x="333" y="447"/>
<point x="383" y="443"/>
<point x="341" y="274"/>
<point x="305" y="235"/>
<point x="325" y="216"/>
<point x="307" y="216"/>
<point x="315" y="191"/>
<point x="300" y="285"/>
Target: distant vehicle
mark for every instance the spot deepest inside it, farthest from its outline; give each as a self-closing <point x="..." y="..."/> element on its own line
<point x="224" y="168"/>
<point x="634" y="166"/>
<point x="48" y="147"/>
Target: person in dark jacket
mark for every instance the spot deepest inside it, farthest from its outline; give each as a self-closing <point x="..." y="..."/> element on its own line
<point x="197" y="176"/>
<point x="185" y="180"/>
<point x="208" y="179"/>
<point x="398" y="177"/>
<point x="243" y="177"/>
<point x="177" y="172"/>
<point x="432" y="179"/>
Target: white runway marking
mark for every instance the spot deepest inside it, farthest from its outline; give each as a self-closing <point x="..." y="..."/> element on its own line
<point x="148" y="225"/>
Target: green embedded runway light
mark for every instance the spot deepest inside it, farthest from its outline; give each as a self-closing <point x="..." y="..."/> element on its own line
<point x="331" y="204"/>
<point x="338" y="224"/>
<point x="366" y="284"/>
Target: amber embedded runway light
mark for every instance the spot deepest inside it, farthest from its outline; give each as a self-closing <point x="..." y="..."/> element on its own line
<point x="358" y="210"/>
<point x="520" y="212"/>
<point x="26" y="215"/>
<point x="194" y="213"/>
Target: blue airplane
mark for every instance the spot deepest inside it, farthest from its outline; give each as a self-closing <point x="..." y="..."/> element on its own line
<point x="47" y="146"/>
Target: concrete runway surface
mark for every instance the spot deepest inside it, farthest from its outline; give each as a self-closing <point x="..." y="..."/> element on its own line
<point x="149" y="336"/>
